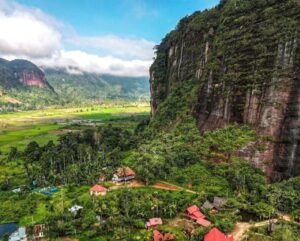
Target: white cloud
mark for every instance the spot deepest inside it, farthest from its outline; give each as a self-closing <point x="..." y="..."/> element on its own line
<point x="123" y="47"/>
<point x="77" y="62"/>
<point x="26" y="32"/>
<point x="140" y="10"/>
<point x="31" y="34"/>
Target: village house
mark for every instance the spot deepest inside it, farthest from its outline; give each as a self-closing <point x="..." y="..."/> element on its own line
<point x="194" y="213"/>
<point x="98" y="190"/>
<point x="75" y="208"/>
<point x="19" y="235"/>
<point x="216" y="235"/>
<point x="153" y="222"/>
<point x="208" y="206"/>
<point x="38" y="232"/>
<point x="218" y="203"/>
<point x="158" y="236"/>
<point x="123" y="174"/>
<point x="203" y="222"/>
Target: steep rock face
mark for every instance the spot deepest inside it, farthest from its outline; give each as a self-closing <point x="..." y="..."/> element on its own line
<point x="28" y="73"/>
<point x="245" y="58"/>
<point x="18" y="73"/>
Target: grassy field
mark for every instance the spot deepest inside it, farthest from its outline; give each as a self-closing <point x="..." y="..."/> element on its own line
<point x="19" y="128"/>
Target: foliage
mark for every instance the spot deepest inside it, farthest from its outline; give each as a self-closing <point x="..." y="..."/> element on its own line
<point x="69" y="89"/>
<point x="78" y="157"/>
<point x="78" y="88"/>
<point x="281" y="232"/>
<point x="285" y="196"/>
<point x="183" y="146"/>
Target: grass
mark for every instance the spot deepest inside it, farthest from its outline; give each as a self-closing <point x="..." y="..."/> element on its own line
<point x="51" y="115"/>
<point x="20" y="137"/>
<point x="20" y="128"/>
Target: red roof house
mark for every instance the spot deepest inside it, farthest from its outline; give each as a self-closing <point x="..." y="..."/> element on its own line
<point x="38" y="231"/>
<point x="98" y="190"/>
<point x="126" y="171"/>
<point x="158" y="236"/>
<point x="153" y="222"/>
<point x="203" y="222"/>
<point x="123" y="174"/>
<point x="193" y="212"/>
<point x="216" y="235"/>
<point x="169" y="237"/>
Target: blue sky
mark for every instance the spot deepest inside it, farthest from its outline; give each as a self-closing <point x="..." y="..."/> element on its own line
<point x="149" y="19"/>
<point x="103" y="36"/>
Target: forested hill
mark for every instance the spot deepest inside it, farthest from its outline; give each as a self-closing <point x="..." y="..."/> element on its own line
<point x="236" y="63"/>
<point x="21" y="73"/>
<point x="24" y="86"/>
<point x="89" y="86"/>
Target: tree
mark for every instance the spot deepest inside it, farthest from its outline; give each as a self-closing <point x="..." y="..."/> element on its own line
<point x="12" y="153"/>
<point x="5" y="237"/>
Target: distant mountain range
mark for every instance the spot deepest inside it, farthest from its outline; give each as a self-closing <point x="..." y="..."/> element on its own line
<point x="23" y="85"/>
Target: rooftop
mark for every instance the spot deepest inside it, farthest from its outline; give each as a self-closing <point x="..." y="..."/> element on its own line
<point x="216" y="235"/>
<point x="98" y="188"/>
<point x="125" y="172"/>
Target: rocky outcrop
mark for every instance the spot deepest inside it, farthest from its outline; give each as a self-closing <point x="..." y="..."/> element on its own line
<point x="21" y="72"/>
<point x="29" y="74"/>
<point x="244" y="56"/>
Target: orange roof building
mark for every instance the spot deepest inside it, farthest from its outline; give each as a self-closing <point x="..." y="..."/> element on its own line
<point x="153" y="222"/>
<point x="202" y="222"/>
<point x="216" y="235"/>
<point x="193" y="212"/>
<point x="158" y="236"/>
<point x="98" y="190"/>
<point x="123" y="174"/>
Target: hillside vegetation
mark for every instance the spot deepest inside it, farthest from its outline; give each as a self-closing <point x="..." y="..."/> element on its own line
<point x="23" y="86"/>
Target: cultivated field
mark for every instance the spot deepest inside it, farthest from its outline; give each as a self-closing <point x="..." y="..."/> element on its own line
<point x="19" y="128"/>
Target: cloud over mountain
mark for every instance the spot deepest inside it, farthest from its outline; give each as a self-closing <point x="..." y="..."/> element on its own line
<point x="29" y="33"/>
<point x="122" y="47"/>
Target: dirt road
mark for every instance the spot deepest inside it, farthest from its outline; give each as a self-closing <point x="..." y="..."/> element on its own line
<point x="240" y="229"/>
<point x="158" y="185"/>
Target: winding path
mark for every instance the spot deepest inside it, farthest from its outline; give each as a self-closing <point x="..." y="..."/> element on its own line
<point x="158" y="185"/>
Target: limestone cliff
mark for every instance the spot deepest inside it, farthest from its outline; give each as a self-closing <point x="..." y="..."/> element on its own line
<point x="29" y="74"/>
<point x="243" y="59"/>
<point x="21" y="73"/>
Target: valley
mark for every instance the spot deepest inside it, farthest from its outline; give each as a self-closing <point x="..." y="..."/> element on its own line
<point x="41" y="124"/>
<point x="103" y="140"/>
<point x="90" y="143"/>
